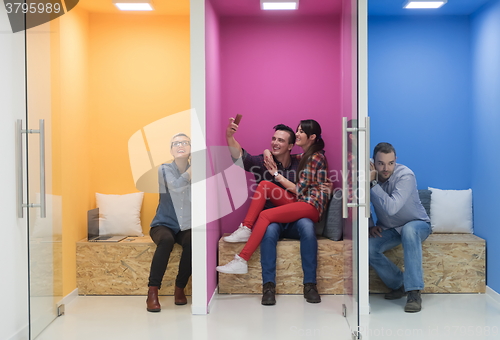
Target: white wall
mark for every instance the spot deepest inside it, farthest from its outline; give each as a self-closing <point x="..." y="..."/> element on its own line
<point x="13" y="250"/>
<point x="199" y="237"/>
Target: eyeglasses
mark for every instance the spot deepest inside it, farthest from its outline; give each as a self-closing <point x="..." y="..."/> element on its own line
<point x="183" y="143"/>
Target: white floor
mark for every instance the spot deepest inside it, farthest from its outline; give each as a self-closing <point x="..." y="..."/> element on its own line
<point x="453" y="316"/>
<point x="443" y="316"/>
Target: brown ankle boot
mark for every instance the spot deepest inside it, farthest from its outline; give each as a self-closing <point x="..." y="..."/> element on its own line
<point x="179" y="297"/>
<point x="152" y="302"/>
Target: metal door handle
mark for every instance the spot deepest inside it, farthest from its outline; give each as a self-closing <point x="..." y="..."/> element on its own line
<point x="43" y="191"/>
<point x="345" y="176"/>
<point x="368" y="168"/>
<point x="345" y="213"/>
<point x="345" y="204"/>
<point x="19" y="169"/>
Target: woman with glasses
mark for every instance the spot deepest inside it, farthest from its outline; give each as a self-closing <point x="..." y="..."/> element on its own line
<point x="172" y="222"/>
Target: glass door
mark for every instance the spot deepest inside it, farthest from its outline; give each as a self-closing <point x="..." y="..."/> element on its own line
<point x="44" y="222"/>
<point x="355" y="163"/>
<point x="29" y="77"/>
<point x="13" y="286"/>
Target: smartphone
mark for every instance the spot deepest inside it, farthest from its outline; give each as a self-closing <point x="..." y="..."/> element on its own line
<point x="237" y="119"/>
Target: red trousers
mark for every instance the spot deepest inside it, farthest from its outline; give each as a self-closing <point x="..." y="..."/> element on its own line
<point x="287" y="210"/>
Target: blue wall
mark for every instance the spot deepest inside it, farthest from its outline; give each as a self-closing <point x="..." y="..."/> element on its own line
<point x="485" y="30"/>
<point x="420" y="95"/>
<point x="434" y="92"/>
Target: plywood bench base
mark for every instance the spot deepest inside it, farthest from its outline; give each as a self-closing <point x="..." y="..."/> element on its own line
<point x="453" y="263"/>
<point x="289" y="273"/>
<point x="122" y="268"/>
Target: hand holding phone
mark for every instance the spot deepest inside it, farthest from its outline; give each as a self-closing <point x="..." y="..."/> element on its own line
<point x="237" y="119"/>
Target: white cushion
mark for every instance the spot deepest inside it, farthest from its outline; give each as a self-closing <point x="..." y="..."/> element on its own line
<point x="120" y="214"/>
<point x="451" y="211"/>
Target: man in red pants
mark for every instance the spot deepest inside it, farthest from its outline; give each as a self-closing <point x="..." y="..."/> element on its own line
<point x="282" y="143"/>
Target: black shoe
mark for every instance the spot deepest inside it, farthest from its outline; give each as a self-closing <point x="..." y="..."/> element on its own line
<point x="396" y="293"/>
<point x="311" y="293"/>
<point x="414" y="302"/>
<point x="268" y="294"/>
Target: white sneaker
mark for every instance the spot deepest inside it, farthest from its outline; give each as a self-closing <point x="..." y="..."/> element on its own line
<point x="242" y="234"/>
<point x="236" y="266"/>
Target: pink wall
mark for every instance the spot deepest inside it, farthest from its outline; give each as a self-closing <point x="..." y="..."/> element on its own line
<point x="280" y="70"/>
<point x="273" y="69"/>
<point x="215" y="136"/>
<point x="349" y="66"/>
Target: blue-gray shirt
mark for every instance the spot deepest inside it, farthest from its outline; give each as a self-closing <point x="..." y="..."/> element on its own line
<point x="396" y="201"/>
<point x="174" y="208"/>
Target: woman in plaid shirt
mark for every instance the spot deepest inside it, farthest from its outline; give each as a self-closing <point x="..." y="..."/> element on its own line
<point x="306" y="199"/>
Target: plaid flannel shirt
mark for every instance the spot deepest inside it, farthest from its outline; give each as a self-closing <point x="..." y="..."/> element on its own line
<point x="314" y="174"/>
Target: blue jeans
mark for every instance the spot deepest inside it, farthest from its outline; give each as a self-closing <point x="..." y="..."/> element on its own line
<point x="302" y="230"/>
<point x="412" y="235"/>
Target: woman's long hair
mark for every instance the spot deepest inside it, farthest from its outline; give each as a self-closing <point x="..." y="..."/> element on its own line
<point x="310" y="127"/>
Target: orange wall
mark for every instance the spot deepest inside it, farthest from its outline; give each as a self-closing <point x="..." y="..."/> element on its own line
<point x="117" y="74"/>
<point x="73" y="143"/>
<point x="139" y="73"/>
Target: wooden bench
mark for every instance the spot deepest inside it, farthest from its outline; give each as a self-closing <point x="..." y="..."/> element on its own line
<point x="289" y="274"/>
<point x="122" y="268"/>
<point x="453" y="263"/>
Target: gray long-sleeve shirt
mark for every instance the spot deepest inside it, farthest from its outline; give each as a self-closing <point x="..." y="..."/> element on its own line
<point x="396" y="201"/>
<point x="174" y="208"/>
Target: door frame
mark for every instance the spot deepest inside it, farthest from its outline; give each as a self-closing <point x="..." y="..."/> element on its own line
<point x="363" y="273"/>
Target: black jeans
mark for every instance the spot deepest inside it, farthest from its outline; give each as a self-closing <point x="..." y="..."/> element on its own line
<point x="164" y="238"/>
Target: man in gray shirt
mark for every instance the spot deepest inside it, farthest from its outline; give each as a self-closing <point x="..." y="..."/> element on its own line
<point x="401" y="219"/>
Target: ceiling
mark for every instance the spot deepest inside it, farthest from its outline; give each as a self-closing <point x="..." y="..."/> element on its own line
<point x="252" y="8"/>
<point x="163" y="7"/>
<point x="328" y="7"/>
<point x="395" y="7"/>
<point x="306" y="7"/>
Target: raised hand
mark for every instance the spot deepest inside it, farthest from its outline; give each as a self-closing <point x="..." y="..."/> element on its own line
<point x="231" y="128"/>
<point x="269" y="162"/>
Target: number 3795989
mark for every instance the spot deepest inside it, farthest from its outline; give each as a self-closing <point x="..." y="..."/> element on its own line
<point x="20" y="7"/>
